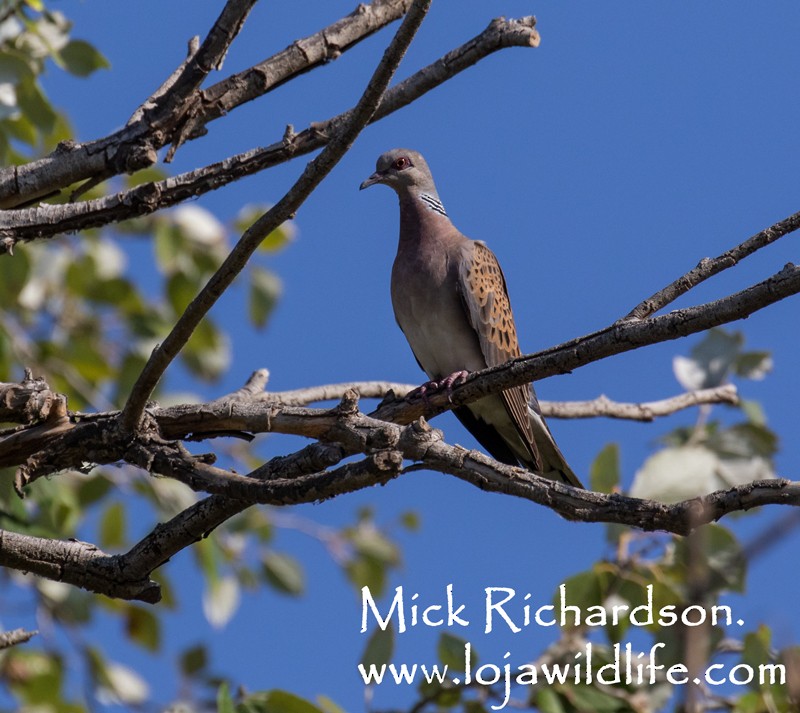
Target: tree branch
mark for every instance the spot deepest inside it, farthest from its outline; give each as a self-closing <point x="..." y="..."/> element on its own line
<point x="313" y="174"/>
<point x="601" y="406"/>
<point x="134" y="146"/>
<point x="386" y="446"/>
<point x="46" y="220"/>
<point x="644" y="411"/>
<point x="709" y="267"/>
<point x="618" y="338"/>
<point x="15" y="637"/>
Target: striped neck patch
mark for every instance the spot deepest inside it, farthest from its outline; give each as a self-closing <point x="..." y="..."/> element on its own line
<point x="433" y="203"/>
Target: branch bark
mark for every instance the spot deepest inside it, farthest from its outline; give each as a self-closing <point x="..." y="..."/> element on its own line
<point x="311" y="177"/>
<point x="620" y="337"/>
<point x="134" y="146"/>
<point x="46" y="220"/>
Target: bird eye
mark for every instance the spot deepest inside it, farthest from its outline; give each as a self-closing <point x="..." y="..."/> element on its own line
<point x="401" y="163"/>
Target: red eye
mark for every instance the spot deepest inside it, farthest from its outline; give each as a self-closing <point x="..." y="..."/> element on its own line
<point x="401" y="163"/>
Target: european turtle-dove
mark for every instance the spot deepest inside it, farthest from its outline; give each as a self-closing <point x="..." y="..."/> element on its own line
<point x="449" y="297"/>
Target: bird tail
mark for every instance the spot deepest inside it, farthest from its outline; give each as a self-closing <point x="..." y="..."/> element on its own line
<point x="554" y="465"/>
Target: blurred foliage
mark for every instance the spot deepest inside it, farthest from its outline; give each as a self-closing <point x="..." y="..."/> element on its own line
<point x="85" y="313"/>
<point x="653" y="571"/>
<point x="30" y="35"/>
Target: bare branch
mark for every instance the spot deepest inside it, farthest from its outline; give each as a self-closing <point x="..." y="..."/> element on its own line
<point x="135" y="146"/>
<point x="26" y="402"/>
<point x="313" y="174"/>
<point x="47" y="220"/>
<point x="78" y="563"/>
<point x="616" y="339"/>
<point x="586" y="506"/>
<point x="646" y="411"/>
<point x="709" y="267"/>
<point x="334" y="392"/>
<point x="15" y="637"/>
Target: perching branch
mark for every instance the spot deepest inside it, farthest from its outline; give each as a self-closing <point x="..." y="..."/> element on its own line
<point x="386" y="446"/>
<point x="313" y="174"/>
<point x="47" y="220"/>
<point x="618" y="338"/>
<point x="388" y="437"/>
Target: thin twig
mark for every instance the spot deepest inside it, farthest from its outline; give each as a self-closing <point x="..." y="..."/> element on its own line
<point x="15" y="637"/>
<point x="644" y="411"/>
<point x="709" y="267"/>
<point x="313" y="174"/>
<point x="134" y="145"/>
<point x="46" y="220"/>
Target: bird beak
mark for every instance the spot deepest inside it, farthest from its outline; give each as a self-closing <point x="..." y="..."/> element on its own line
<point x="376" y="177"/>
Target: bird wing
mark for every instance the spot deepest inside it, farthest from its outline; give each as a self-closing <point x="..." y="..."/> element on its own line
<point x="482" y="287"/>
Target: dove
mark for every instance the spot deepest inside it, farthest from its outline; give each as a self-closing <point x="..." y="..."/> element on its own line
<point x="450" y="300"/>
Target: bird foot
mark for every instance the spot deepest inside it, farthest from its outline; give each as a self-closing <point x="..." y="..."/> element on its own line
<point x="432" y="387"/>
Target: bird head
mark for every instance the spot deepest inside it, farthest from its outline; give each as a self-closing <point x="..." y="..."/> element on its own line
<point x="402" y="170"/>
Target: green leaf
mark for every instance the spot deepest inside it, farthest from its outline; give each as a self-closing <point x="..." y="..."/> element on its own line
<point x="284" y="573"/>
<point x="93" y="488"/>
<point x="744" y="440"/>
<point x="584" y="590"/>
<point x="285" y="702"/>
<point x="38" y="678"/>
<point x="170" y="247"/>
<point x="548" y="701"/>
<point x="757" y="647"/>
<point x="20" y="129"/>
<point x="725" y="560"/>
<point x="81" y="58"/>
<point x="677" y="473"/>
<point x="112" y="526"/>
<point x="604" y="471"/>
<point x="753" y="365"/>
<point x="207" y="353"/>
<point x="410" y="520"/>
<point x="14" y="68"/>
<point x="193" y="660"/>
<point x="753" y="411"/>
<point x="379" y="648"/>
<point x="181" y="290"/>
<point x="450" y="649"/>
<point x="265" y="289"/>
<point x="35" y="106"/>
<point x="474" y="707"/>
<point x="16" y="272"/>
<point x="367" y="572"/>
<point x="370" y="541"/>
<point x="224" y="700"/>
<point x="587" y="698"/>
<point x="143" y="627"/>
<point x="329" y="706"/>
<point x="278" y="238"/>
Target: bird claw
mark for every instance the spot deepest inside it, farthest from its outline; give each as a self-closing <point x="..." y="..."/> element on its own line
<point x="422" y="392"/>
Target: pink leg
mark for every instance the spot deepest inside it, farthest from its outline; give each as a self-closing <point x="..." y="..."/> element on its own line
<point x="446" y="384"/>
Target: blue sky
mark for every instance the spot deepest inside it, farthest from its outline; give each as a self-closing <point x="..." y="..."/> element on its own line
<point x="637" y="139"/>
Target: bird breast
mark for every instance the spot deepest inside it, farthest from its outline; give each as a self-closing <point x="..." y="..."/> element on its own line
<point x="430" y="312"/>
